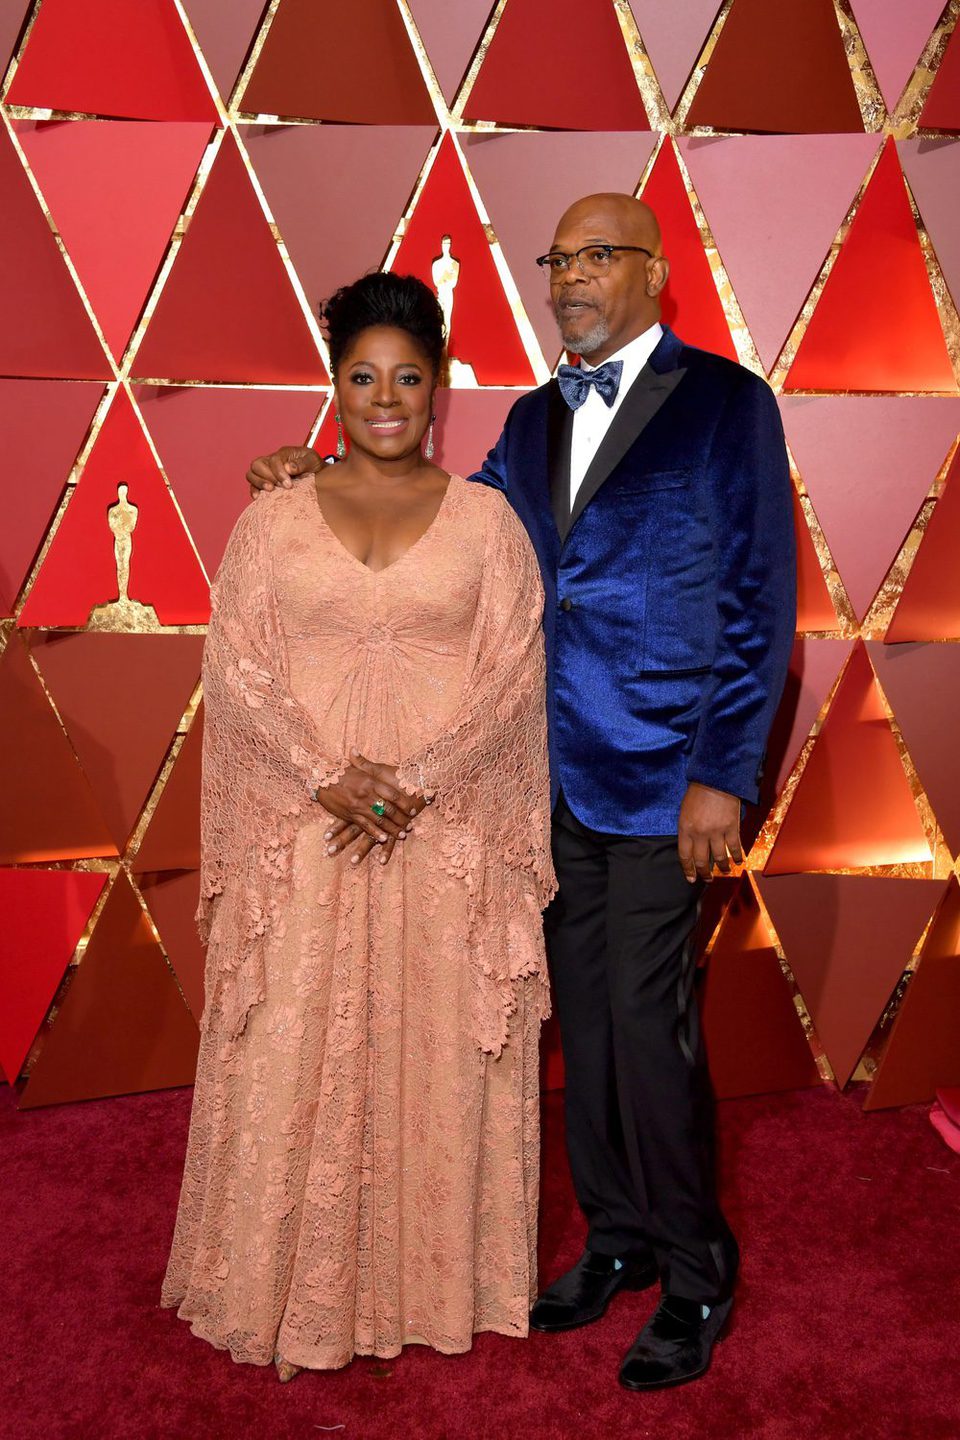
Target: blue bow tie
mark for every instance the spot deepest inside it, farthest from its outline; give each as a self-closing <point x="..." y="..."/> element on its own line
<point x="574" y="382"/>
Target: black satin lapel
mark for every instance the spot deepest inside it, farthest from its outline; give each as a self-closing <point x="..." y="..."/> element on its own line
<point x="642" y="401"/>
<point x="559" y="440"/>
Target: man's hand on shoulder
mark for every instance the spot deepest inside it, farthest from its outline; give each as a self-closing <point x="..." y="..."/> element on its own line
<point x="709" y="832"/>
<point x="279" y="470"/>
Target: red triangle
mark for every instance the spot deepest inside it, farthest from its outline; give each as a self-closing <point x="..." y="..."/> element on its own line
<point x="847" y="939"/>
<point x="227" y="310"/>
<point x="942" y="110"/>
<point x="814" y="606"/>
<point x="45" y="913"/>
<point x="108" y="57"/>
<point x="12" y="18"/>
<point x="61" y="414"/>
<point x="778" y="68"/>
<point x="876" y="326"/>
<point x="172" y="840"/>
<point x="929" y="606"/>
<point x="754" y="1038"/>
<point x="814" y="667"/>
<point x="48" y="810"/>
<point x="46" y="330"/>
<point x="561" y="65"/>
<point x="115" y="192"/>
<point x="225" y="34"/>
<point x="227" y="428"/>
<point x="922" y="686"/>
<point x="120" y="698"/>
<point x="853" y="805"/>
<point x="173" y="900"/>
<point x="451" y="37"/>
<point x="123" y="1026"/>
<point x="375" y="78"/>
<point x="483" y="331"/>
<point x="164" y="570"/>
<point x="691" y="304"/>
<point x="922" y="1055"/>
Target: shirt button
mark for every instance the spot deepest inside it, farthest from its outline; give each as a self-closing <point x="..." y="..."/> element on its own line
<point x="566" y="604"/>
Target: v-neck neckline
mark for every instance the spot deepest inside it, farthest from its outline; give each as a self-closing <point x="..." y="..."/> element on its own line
<point x="400" y="558"/>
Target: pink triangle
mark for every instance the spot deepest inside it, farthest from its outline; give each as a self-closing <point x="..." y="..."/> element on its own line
<point x="303" y="170"/>
<point x="115" y="189"/>
<point x="895" y="35"/>
<point x="673" y="36"/>
<point x="932" y="168"/>
<point x="527" y="181"/>
<point x="814" y="666"/>
<point x="451" y="34"/>
<point x="225" y="34"/>
<point x="772" y="246"/>
<point x="227" y="428"/>
<point x="868" y="463"/>
<point x="45" y="912"/>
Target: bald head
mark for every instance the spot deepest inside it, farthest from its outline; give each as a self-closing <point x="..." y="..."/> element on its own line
<point x="599" y="313"/>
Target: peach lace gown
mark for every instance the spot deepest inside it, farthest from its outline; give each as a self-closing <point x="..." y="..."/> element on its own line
<point x="362" y="1168"/>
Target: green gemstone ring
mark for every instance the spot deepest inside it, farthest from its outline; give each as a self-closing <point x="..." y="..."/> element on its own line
<point x="378" y="807"/>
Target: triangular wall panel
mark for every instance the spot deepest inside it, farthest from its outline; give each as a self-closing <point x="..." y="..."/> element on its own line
<point x="227" y="310"/>
<point x="771" y="246"/>
<point x="172" y="900"/>
<point x="48" y="810"/>
<point x="45" y="913"/>
<point x="451" y="34"/>
<point x="483" y="332"/>
<point x="814" y="667"/>
<point x="374" y="78"/>
<point x="922" y="1055"/>
<point x="922" y="686"/>
<point x="60" y="413"/>
<point x="527" y="181"/>
<point x="120" y="698"/>
<point x="172" y="839"/>
<point x="108" y="57"/>
<point x="536" y="71"/>
<point x="853" y="805"/>
<point x="876" y="326"/>
<point x="206" y="438"/>
<point x="778" y="68"/>
<point x="302" y="170"/>
<point x="895" y="36"/>
<point x="224" y="34"/>
<point x="690" y="301"/>
<point x="12" y="17"/>
<point x="868" y="464"/>
<point x="123" y="1026"/>
<point x="815" y="609"/>
<point x="80" y="570"/>
<point x="673" y="36"/>
<point x="115" y="191"/>
<point x="46" y="331"/>
<point x="932" y="168"/>
<point x="942" y="110"/>
<point x="929" y="606"/>
<point x="847" y="939"/>
<point x="754" y="1038"/>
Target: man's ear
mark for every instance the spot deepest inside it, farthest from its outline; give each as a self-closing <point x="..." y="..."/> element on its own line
<point x="658" y="273"/>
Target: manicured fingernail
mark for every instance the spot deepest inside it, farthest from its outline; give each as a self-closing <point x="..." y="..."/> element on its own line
<point x="328" y="834"/>
<point x="354" y="859"/>
<point x="381" y="838"/>
<point x="383" y="859"/>
<point x="331" y="849"/>
<point x="413" y="812"/>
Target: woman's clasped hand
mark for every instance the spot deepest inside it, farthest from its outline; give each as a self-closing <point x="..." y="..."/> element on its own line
<point x="356" y="823"/>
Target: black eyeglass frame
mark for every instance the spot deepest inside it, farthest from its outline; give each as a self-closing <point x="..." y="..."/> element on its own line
<point x="544" y="260"/>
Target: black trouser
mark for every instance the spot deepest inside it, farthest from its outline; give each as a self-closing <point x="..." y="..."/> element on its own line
<point x="638" y="1103"/>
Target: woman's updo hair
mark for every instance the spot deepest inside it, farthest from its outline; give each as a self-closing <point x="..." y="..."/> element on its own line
<point x="400" y="301"/>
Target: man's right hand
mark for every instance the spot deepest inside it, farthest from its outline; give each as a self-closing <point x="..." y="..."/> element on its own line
<point x="280" y="469"/>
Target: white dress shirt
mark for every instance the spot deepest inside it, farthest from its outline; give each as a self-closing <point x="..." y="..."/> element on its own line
<point x="592" y="421"/>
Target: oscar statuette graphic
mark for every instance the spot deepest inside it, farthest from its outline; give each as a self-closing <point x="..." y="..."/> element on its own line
<point x="445" y="272"/>
<point x="123" y="613"/>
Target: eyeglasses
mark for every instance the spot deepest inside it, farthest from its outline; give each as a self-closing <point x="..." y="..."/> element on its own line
<point x="592" y="260"/>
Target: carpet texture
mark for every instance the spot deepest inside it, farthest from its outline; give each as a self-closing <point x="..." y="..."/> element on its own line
<point x="847" y="1322"/>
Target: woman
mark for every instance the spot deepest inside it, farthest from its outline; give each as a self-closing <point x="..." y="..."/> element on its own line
<point x="362" y="1165"/>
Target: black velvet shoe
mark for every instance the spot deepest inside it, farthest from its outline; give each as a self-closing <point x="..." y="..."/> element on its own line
<point x="583" y="1294"/>
<point x="675" y="1345"/>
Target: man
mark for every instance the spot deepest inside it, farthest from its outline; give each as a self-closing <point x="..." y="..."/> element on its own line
<point x="653" y="481"/>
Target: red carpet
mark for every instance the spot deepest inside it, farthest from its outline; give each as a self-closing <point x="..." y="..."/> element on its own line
<point x="846" y="1327"/>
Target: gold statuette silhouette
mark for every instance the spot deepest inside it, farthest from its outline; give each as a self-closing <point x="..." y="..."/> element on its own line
<point x="445" y="272"/>
<point x="123" y="613"/>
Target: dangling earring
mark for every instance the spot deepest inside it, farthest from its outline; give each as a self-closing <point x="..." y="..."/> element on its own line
<point x="428" y="451"/>
<point x="341" y="447"/>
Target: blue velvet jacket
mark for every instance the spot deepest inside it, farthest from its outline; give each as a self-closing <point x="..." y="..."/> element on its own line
<point x="670" y="589"/>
